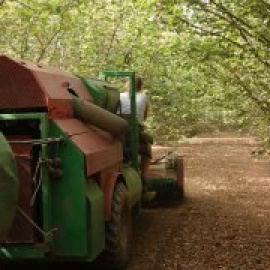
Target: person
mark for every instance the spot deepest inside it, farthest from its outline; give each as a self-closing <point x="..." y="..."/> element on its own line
<point x="145" y="140"/>
<point x="141" y="101"/>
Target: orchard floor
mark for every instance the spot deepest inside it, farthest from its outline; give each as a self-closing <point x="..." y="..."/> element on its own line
<point x="224" y="219"/>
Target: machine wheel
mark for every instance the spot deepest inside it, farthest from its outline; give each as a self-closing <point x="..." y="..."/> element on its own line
<point x="8" y="187"/>
<point x="119" y="230"/>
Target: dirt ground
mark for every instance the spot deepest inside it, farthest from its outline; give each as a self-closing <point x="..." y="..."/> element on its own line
<point x="223" y="222"/>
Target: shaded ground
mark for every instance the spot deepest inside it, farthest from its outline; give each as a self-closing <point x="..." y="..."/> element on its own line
<point x="223" y="222"/>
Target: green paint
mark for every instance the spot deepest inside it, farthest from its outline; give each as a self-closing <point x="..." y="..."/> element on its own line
<point x="25" y="251"/>
<point x="22" y="116"/>
<point x="167" y="189"/>
<point x="46" y="187"/>
<point x="96" y="219"/>
<point x="104" y="95"/>
<point x="97" y="92"/>
<point x="69" y="204"/>
<point x="134" y="185"/>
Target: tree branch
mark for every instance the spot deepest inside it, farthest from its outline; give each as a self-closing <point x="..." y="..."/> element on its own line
<point x="22" y="4"/>
<point x="200" y="31"/>
<point x="264" y="105"/>
<point x="24" y="44"/>
<point x="113" y="37"/>
<point x="254" y="51"/>
<point x="230" y="14"/>
<point x="234" y="20"/>
<point x="266" y="4"/>
<point x="48" y="43"/>
<point x="127" y="56"/>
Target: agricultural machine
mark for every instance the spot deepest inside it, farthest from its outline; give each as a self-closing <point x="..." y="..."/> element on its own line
<point x="68" y="190"/>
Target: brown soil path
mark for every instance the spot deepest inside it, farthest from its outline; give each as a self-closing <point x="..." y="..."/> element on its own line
<point x="224" y="221"/>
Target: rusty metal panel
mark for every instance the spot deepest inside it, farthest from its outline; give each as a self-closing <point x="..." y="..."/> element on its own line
<point x="60" y="108"/>
<point x="98" y="154"/>
<point x="22" y="231"/>
<point x="52" y="81"/>
<point x="99" y="148"/>
<point x="25" y="85"/>
<point x="72" y="126"/>
<point x="56" y="83"/>
<point x="18" y="87"/>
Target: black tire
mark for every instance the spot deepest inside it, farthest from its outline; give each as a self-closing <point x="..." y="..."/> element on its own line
<point x="118" y="230"/>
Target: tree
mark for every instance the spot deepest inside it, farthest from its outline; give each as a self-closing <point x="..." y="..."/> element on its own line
<point x="205" y="63"/>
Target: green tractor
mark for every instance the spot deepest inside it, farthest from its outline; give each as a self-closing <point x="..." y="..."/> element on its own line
<point x="66" y="190"/>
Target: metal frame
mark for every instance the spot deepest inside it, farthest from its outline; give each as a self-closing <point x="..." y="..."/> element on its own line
<point x="38" y="250"/>
<point x="134" y="121"/>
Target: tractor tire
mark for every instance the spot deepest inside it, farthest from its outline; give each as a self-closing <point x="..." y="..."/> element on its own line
<point x="9" y="186"/>
<point x="118" y="230"/>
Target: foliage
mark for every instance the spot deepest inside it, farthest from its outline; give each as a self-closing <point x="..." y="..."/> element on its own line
<point x="233" y="44"/>
<point x="205" y="63"/>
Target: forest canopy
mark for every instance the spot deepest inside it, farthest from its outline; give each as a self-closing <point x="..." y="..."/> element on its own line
<point x="205" y="63"/>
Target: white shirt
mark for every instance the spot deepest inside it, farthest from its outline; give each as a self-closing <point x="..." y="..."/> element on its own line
<point x="141" y="100"/>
